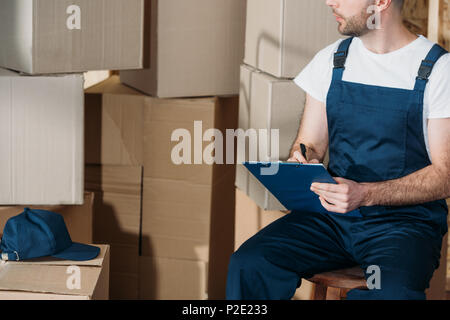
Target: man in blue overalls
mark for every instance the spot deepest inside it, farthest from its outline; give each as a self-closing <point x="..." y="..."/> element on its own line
<point x="380" y="100"/>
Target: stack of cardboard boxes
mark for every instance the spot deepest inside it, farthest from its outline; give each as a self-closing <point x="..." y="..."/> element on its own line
<point x="282" y="36"/>
<point x="42" y="108"/>
<point x="170" y="226"/>
<point x="46" y="46"/>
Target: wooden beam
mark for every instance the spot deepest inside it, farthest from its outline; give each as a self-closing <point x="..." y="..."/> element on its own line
<point x="444" y="34"/>
<point x="433" y="20"/>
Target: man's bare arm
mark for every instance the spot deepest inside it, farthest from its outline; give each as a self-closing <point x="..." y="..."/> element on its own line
<point x="313" y="131"/>
<point x="429" y="184"/>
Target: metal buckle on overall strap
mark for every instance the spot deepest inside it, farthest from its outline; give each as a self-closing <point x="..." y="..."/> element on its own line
<point x="339" y="59"/>
<point x="425" y="70"/>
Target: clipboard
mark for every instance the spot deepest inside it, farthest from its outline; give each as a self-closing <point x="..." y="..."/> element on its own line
<point x="291" y="184"/>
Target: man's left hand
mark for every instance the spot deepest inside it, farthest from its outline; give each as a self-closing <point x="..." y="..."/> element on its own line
<point x="343" y="197"/>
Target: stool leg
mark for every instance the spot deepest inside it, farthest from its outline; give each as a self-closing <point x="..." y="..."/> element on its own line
<point x="343" y="293"/>
<point x="320" y="292"/>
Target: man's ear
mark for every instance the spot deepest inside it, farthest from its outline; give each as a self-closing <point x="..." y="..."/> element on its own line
<point x="383" y="5"/>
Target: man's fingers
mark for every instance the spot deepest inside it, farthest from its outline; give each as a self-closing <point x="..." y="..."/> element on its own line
<point x="331" y="207"/>
<point x="329" y="187"/>
<point x="298" y="157"/>
<point x="332" y="196"/>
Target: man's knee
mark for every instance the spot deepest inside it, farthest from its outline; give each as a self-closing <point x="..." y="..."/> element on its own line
<point x="246" y="258"/>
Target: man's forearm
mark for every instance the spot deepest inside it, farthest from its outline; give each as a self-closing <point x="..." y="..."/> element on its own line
<point x="427" y="184"/>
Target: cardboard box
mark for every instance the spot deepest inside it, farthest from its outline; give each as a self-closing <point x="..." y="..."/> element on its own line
<point x="48" y="279"/>
<point x="282" y="36"/>
<point x="114" y="124"/>
<point x="172" y="279"/>
<point x="188" y="209"/>
<point x="196" y="47"/>
<point x="78" y="219"/>
<point x="41" y="139"/>
<point x="269" y="103"/>
<point x="124" y="279"/>
<point x="62" y="36"/>
<point x="117" y="220"/>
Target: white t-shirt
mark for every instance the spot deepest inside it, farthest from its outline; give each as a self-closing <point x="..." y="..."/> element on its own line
<point x="396" y="69"/>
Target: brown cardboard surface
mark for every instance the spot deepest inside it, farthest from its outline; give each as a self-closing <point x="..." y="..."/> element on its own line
<point x="117" y="206"/>
<point x="179" y="228"/>
<point x="117" y="215"/>
<point x="172" y="279"/>
<point x="162" y="117"/>
<point x="188" y="210"/>
<point x="110" y="36"/>
<point x="282" y="36"/>
<point x="196" y="47"/>
<point x="78" y="219"/>
<point x="49" y="276"/>
<point x="124" y="286"/>
<point x="114" y="124"/>
<point x="41" y="139"/>
<point x="124" y="267"/>
<point x="267" y="102"/>
<point x="91" y="78"/>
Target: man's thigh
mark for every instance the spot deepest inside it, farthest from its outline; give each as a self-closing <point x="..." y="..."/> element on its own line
<point x="302" y="242"/>
<point x="406" y="253"/>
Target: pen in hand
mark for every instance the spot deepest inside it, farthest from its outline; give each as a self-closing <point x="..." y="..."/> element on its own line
<point x="303" y="149"/>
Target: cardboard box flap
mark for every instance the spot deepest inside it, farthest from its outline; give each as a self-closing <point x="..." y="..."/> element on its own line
<point x="111" y="85"/>
<point x="46" y="279"/>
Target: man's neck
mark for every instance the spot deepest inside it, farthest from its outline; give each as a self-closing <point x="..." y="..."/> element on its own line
<point x="392" y="36"/>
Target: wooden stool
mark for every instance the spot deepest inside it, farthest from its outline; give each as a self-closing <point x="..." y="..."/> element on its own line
<point x="339" y="282"/>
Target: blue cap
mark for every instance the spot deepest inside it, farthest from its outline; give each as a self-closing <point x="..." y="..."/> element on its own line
<point x="39" y="233"/>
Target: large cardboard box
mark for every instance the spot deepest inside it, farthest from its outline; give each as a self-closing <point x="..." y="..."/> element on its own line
<point x="117" y="217"/>
<point x="61" y="36"/>
<point x="188" y="209"/>
<point x="172" y="279"/>
<point x="282" y="36"/>
<point x="195" y="48"/>
<point x="56" y="279"/>
<point x="78" y="219"/>
<point x="266" y="102"/>
<point x="114" y="121"/>
<point x="41" y="139"/>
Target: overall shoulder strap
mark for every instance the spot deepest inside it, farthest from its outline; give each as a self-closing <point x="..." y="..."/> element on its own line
<point x="340" y="57"/>
<point x="427" y="65"/>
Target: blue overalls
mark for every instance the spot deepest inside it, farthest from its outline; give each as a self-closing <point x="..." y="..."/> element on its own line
<point x="375" y="134"/>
